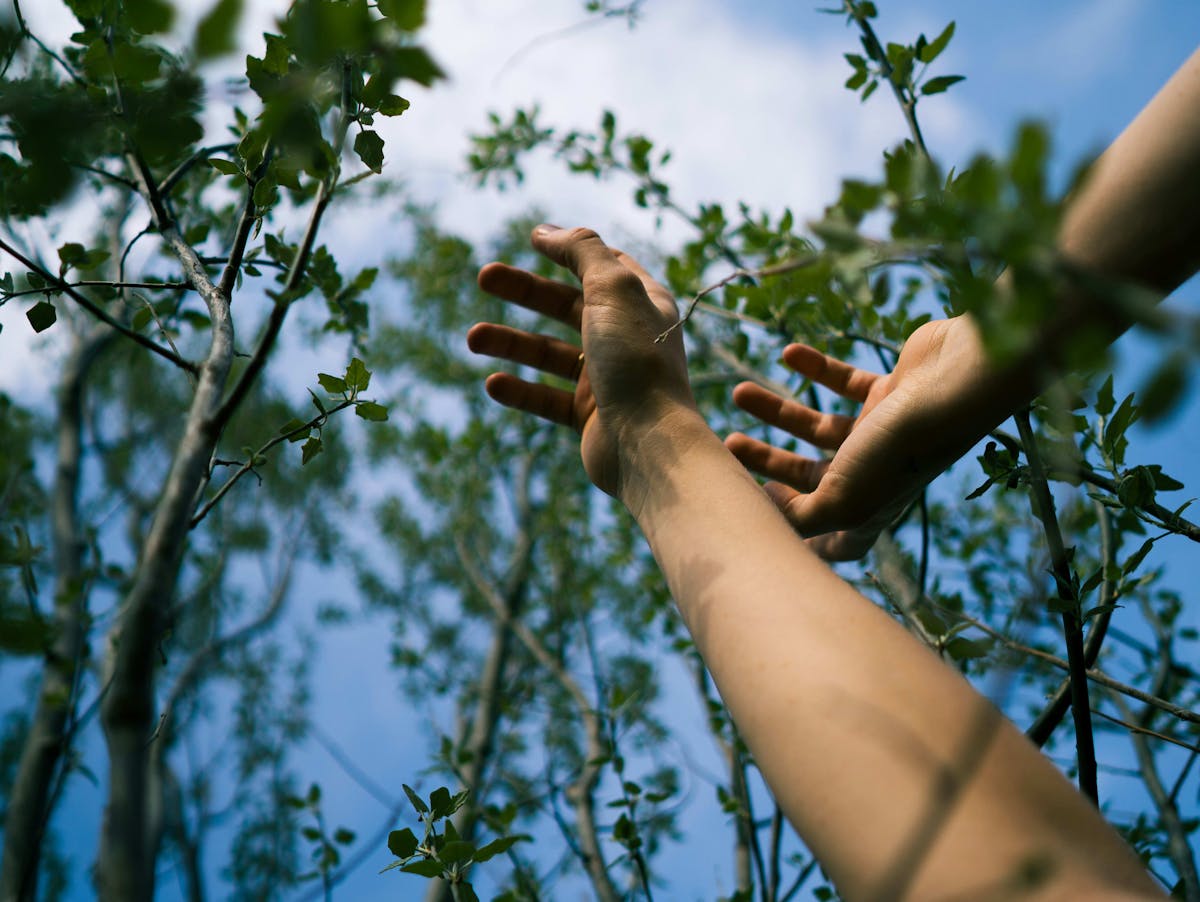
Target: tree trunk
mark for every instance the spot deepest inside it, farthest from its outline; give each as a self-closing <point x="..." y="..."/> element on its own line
<point x="28" y="807"/>
<point x="125" y="868"/>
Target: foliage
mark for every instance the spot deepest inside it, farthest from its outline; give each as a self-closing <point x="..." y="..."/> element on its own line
<point x="527" y="619"/>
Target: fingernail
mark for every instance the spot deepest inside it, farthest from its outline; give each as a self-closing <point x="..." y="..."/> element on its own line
<point x="546" y="229"/>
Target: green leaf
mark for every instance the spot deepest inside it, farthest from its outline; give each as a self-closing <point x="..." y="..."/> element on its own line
<point x="1113" y="441"/>
<point x="933" y="49"/>
<point x="439" y="803"/>
<point x="343" y="836"/>
<point x="42" y="316"/>
<point x="314" y="794"/>
<point x="332" y="384"/>
<point x="358" y="377"/>
<point x="454" y="852"/>
<point x="416" y="64"/>
<point x="940" y="84"/>
<point x="402" y="843"/>
<point x="1135" y="560"/>
<point x="393" y="105"/>
<point x="1163" y="482"/>
<point x="369" y="147"/>
<point x="407" y="14"/>
<point x="71" y="254"/>
<point x="149" y="16"/>
<point x="311" y="449"/>
<point x="1163" y="390"/>
<point x="226" y="167"/>
<point x="311" y="833"/>
<point x="216" y="35"/>
<point x="369" y="410"/>
<point x="141" y="318"/>
<point x="417" y="802"/>
<point x="1104" y="397"/>
<point x="265" y="194"/>
<point x="426" y="868"/>
<point x="499" y="846"/>
<point x="135" y="63"/>
<point x="294" y="426"/>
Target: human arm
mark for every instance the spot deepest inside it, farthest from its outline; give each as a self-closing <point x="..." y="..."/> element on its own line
<point x="902" y="780"/>
<point x="1136" y="219"/>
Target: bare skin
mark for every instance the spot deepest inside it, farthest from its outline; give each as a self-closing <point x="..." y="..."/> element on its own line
<point x="903" y="781"/>
<point x="1137" y="219"/>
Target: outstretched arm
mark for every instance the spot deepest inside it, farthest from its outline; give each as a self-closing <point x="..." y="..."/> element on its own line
<point x="1136" y="219"/>
<point x="902" y="780"/>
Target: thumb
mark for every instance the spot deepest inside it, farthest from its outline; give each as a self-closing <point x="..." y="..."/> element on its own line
<point x="583" y="252"/>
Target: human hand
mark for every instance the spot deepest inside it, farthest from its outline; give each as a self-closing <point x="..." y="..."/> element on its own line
<point x="626" y="382"/>
<point x="942" y="397"/>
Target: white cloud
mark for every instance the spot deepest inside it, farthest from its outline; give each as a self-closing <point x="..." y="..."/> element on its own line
<point x="748" y="114"/>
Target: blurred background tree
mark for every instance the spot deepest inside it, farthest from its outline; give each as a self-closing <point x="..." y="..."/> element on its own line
<point x="189" y="478"/>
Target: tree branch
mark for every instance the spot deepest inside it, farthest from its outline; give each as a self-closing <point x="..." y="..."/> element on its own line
<point x="1043" y="508"/>
<point x="1178" y="847"/>
<point x="908" y="105"/>
<point x="1043" y="727"/>
<point x="319" y="420"/>
<point x="278" y="313"/>
<point x="580" y="792"/>
<point x="169" y="183"/>
<point x="96" y="311"/>
<point x="1095" y="675"/>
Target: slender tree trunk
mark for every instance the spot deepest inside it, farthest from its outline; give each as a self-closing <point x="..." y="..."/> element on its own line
<point x="478" y="743"/>
<point x="125" y="868"/>
<point x="41" y="756"/>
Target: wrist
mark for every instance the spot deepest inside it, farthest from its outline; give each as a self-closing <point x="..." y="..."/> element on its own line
<point x="653" y="449"/>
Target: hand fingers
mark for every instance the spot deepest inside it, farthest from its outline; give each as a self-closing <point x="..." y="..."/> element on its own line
<point x="543" y="401"/>
<point x="848" y="381"/>
<point x="605" y="279"/>
<point x="825" y="430"/>
<point x="554" y="299"/>
<point x="538" y="351"/>
<point x="829" y="543"/>
<point x="800" y="473"/>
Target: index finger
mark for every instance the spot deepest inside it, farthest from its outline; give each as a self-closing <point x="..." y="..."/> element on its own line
<point x="546" y="296"/>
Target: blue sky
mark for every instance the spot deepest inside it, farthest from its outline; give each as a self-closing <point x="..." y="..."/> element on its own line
<point x="748" y="96"/>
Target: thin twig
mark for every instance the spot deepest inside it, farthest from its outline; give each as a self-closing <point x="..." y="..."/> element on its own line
<point x="71" y="73"/>
<point x="241" y="234"/>
<point x="56" y="284"/>
<point x="908" y="104"/>
<point x="99" y="283"/>
<point x="169" y="183"/>
<point x="279" y="312"/>
<point x="249" y="465"/>
<point x="1167" y="518"/>
<point x="1178" y="847"/>
<point x="1097" y="676"/>
<point x="776" y="269"/>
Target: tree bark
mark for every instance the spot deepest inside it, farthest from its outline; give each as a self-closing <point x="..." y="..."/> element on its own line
<point x="28" y="806"/>
<point x="125" y="868"/>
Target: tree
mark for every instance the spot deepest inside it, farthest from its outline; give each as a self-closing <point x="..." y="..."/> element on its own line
<point x="152" y="391"/>
<point x="529" y="621"/>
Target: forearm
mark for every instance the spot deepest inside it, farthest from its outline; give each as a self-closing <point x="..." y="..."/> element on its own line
<point x="866" y="739"/>
<point x="1137" y="216"/>
<point x="1135" y="221"/>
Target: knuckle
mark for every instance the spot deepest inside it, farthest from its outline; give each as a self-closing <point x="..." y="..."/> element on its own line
<point x="611" y="279"/>
<point x="579" y="234"/>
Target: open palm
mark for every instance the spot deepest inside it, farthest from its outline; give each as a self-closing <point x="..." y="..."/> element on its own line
<point x="911" y="426"/>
